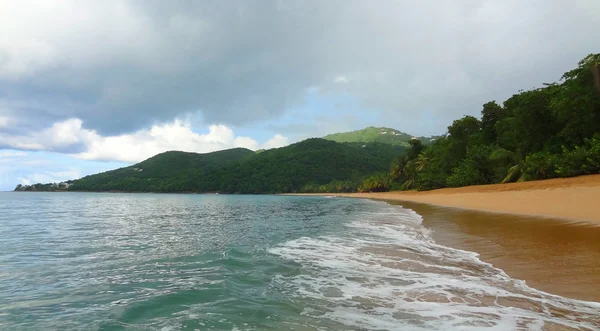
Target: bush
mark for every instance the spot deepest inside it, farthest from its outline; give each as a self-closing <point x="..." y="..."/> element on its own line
<point x="376" y="183"/>
<point x="464" y="175"/>
<point x="582" y="160"/>
<point x="475" y="169"/>
<point x="540" y="165"/>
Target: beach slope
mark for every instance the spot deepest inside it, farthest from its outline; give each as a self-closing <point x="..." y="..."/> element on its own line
<point x="576" y="198"/>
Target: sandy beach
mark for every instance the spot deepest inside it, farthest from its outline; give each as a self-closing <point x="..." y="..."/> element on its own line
<point x="544" y="232"/>
<point x="576" y="199"/>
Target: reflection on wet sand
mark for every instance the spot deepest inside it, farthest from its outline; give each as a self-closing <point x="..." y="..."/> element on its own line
<point x="555" y="256"/>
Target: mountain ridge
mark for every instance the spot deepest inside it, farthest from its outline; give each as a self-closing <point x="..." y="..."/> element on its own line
<point x="378" y="134"/>
<point x="294" y="168"/>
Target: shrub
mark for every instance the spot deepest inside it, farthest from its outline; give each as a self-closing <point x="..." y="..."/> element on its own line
<point x="582" y="160"/>
<point x="540" y="165"/>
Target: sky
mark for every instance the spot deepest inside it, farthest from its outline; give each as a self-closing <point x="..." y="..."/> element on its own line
<point x="89" y="86"/>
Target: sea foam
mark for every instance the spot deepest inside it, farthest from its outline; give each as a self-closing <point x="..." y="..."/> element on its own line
<point x="386" y="273"/>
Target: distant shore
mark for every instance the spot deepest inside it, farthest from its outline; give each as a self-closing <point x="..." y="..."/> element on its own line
<point x="575" y="199"/>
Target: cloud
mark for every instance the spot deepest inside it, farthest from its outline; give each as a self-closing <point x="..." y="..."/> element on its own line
<point x="4" y="122"/>
<point x="341" y="80"/>
<point x="62" y="136"/>
<point x="8" y="153"/>
<point x="71" y="138"/>
<point x="122" y="66"/>
<point x="50" y="177"/>
<point x="177" y="135"/>
<point x="275" y="142"/>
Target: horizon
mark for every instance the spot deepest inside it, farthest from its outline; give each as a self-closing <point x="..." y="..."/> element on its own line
<point x="88" y="87"/>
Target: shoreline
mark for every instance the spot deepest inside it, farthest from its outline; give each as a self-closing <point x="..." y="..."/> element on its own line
<point x="550" y="239"/>
<point x="549" y="254"/>
<point x="575" y="199"/>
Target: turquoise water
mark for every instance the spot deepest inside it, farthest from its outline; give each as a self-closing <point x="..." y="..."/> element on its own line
<point x="91" y="261"/>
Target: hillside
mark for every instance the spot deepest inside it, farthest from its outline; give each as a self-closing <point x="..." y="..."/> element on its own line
<point x="171" y="171"/>
<point x="380" y="135"/>
<point x="287" y="169"/>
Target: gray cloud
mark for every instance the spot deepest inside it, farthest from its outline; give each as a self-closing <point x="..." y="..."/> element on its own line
<point x="121" y="66"/>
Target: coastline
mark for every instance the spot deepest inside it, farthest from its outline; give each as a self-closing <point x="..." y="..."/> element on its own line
<point x="543" y="232"/>
<point x="574" y="199"/>
<point x="549" y="254"/>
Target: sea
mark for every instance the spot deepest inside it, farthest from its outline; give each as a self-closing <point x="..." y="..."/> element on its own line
<point x="111" y="261"/>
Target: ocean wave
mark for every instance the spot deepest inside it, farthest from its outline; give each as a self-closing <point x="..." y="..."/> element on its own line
<point x="387" y="273"/>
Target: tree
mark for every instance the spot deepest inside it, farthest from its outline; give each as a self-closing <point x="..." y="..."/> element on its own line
<point x="490" y="115"/>
<point x="534" y="122"/>
<point x="577" y="103"/>
<point x="461" y="133"/>
<point x="416" y="147"/>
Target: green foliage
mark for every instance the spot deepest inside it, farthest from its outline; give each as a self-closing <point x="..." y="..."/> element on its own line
<point x="577" y="105"/>
<point x="540" y="165"/>
<point x="491" y="114"/>
<point x="39" y="187"/>
<point x="514" y="173"/>
<point x="438" y="167"/>
<point x="475" y="169"/>
<point x="314" y="165"/>
<point x="462" y="132"/>
<point x="376" y="183"/>
<point x="581" y="160"/>
<point x="548" y="132"/>
<point x="373" y="134"/>
<point x="166" y="172"/>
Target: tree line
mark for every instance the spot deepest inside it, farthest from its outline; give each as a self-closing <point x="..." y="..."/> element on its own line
<point x="547" y="132"/>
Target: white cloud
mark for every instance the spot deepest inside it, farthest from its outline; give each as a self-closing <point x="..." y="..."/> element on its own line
<point x="276" y="142"/>
<point x="25" y="181"/>
<point x="177" y="135"/>
<point x="135" y="147"/>
<point x="9" y="153"/>
<point x="341" y="80"/>
<point x="59" y="135"/>
<point x="50" y="176"/>
<point x="4" y="122"/>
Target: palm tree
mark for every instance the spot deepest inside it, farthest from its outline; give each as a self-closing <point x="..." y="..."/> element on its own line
<point x="423" y="160"/>
<point x="501" y="155"/>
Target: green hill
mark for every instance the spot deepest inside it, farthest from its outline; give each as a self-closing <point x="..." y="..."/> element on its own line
<point x="165" y="172"/>
<point x="292" y="168"/>
<point x="381" y="135"/>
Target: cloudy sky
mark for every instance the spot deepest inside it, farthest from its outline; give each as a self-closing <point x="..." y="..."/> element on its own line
<point x="87" y="86"/>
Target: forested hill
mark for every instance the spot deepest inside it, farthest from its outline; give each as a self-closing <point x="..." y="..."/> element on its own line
<point x="295" y="168"/>
<point x="381" y="135"/>
<point x="166" y="172"/>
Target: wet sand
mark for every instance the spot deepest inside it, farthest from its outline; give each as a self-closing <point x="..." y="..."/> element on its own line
<point x="551" y="255"/>
<point x="544" y="232"/>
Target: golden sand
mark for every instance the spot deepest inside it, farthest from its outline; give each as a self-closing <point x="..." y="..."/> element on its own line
<point x="575" y="198"/>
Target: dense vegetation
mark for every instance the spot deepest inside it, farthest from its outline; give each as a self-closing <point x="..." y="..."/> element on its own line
<point x="313" y="165"/>
<point x="381" y="135"/>
<point x="166" y="172"/>
<point x="39" y="187"/>
<point x="548" y="132"/>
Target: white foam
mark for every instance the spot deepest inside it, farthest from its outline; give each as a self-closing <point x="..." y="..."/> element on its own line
<point x="386" y="273"/>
